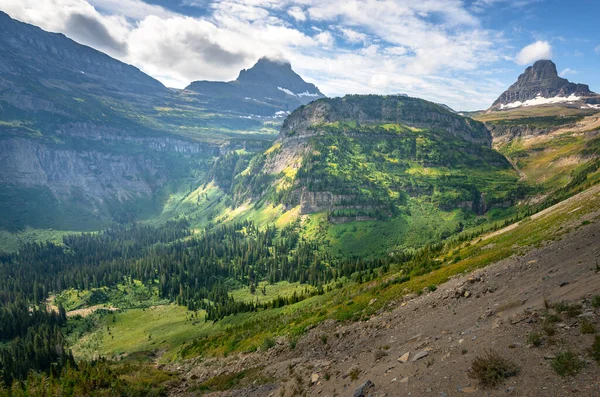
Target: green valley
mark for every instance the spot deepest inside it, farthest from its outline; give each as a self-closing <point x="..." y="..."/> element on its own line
<point x="253" y="237"/>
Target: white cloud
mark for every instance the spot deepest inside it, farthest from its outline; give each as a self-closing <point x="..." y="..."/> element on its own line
<point x="481" y="5"/>
<point x="297" y="13"/>
<point x="352" y="35"/>
<point x="326" y="39"/>
<point x="426" y="48"/>
<point x="78" y="19"/>
<point x="396" y="50"/>
<point x="566" y="72"/>
<point x="135" y="9"/>
<point x="534" y="52"/>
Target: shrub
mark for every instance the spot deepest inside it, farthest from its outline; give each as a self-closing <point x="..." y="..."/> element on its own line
<point x="549" y="329"/>
<point x="595" y="350"/>
<point x="492" y="369"/>
<point x="587" y="327"/>
<point x="551" y="319"/>
<point x="267" y="344"/>
<point x="567" y="364"/>
<point x="596" y="301"/>
<point x="354" y="373"/>
<point x="572" y="310"/>
<point x="379" y="354"/>
<point x="535" y="339"/>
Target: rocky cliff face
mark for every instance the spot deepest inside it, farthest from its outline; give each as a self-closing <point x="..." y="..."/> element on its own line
<point x="373" y="109"/>
<point x="99" y="175"/>
<point x="503" y="133"/>
<point x="541" y="81"/>
<point x="97" y="169"/>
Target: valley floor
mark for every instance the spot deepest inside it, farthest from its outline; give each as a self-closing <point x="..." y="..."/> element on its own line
<point x="501" y="307"/>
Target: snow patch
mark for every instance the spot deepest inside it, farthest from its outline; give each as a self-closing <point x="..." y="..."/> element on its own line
<point x="540" y="100"/>
<point x="286" y="91"/>
<point x="305" y="93"/>
<point x="590" y="106"/>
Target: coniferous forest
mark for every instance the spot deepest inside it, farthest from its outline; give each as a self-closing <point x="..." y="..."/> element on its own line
<point x="187" y="269"/>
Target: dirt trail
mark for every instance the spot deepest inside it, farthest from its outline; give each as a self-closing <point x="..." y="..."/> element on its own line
<point x="493" y="308"/>
<point x="90" y="310"/>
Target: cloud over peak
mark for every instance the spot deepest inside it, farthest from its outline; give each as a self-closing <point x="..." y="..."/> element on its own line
<point x="425" y="48"/>
<point x="534" y="52"/>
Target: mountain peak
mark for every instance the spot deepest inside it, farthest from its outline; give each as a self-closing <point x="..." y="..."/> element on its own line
<point x="541" y="84"/>
<point x="269" y="88"/>
<point x="277" y="73"/>
<point x="272" y="63"/>
<point x="541" y="70"/>
<point x="266" y="67"/>
<point x="544" y="65"/>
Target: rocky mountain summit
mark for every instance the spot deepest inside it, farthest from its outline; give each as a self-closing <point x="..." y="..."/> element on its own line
<point x="269" y="88"/>
<point x="540" y="84"/>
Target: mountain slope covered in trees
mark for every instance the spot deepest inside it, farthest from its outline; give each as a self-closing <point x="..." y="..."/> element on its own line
<point x="357" y="164"/>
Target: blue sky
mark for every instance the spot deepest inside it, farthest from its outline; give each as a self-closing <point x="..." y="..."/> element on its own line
<point x="460" y="52"/>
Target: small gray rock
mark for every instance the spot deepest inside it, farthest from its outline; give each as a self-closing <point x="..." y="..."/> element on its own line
<point x="363" y="390"/>
<point x="420" y="355"/>
<point x="586" y="314"/>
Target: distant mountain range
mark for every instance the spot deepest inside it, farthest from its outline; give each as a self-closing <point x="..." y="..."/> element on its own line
<point x="86" y="140"/>
<point x="49" y="76"/>
<point x="269" y="88"/>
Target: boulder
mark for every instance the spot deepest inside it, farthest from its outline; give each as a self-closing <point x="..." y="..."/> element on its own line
<point x="363" y="390"/>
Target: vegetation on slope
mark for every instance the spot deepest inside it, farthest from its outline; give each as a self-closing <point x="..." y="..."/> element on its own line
<point x="408" y="201"/>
